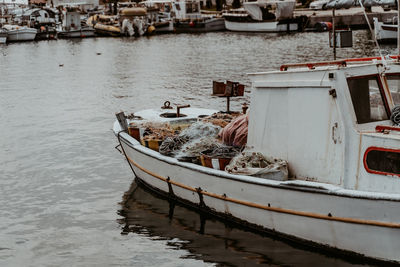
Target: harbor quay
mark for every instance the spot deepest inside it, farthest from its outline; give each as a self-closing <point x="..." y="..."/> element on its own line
<point x="353" y="18"/>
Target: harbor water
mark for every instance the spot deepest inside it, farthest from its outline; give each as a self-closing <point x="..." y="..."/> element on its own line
<point x="67" y="197"/>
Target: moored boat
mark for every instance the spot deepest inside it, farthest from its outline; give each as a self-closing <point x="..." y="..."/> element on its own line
<point x="263" y="16"/>
<point x="72" y="27"/>
<point x="43" y="20"/>
<point x="17" y="33"/>
<point x="159" y="15"/>
<point x="335" y="123"/>
<point x="189" y="19"/>
<point x="385" y="32"/>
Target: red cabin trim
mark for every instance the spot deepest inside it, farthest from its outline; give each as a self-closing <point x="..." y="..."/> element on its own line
<point x="343" y="62"/>
<point x="381" y="128"/>
<point x="378" y="149"/>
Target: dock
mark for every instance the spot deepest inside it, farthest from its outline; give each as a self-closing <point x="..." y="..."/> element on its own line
<point x="352" y="18"/>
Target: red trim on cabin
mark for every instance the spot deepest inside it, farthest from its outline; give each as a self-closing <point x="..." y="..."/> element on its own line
<point x="381" y="128"/>
<point x="312" y="65"/>
<point x="390" y="28"/>
<point x="378" y="149"/>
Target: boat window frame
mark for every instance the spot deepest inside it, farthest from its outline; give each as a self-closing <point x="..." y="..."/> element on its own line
<point x="379" y="80"/>
<point x="386" y="80"/>
<point x="375" y="148"/>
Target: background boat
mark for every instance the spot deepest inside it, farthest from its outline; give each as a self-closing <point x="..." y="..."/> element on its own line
<point x="263" y="16"/>
<point x="386" y="32"/>
<point x="19" y="33"/>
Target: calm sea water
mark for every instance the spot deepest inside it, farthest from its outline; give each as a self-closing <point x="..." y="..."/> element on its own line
<point x="61" y="180"/>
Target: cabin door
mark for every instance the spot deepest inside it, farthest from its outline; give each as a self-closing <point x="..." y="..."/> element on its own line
<point x="316" y="147"/>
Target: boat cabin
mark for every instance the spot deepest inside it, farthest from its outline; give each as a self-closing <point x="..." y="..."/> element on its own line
<point x="39" y="16"/>
<point x="162" y="9"/>
<point x="71" y="19"/>
<point x="186" y="9"/>
<point x="331" y="122"/>
<point x="270" y="10"/>
<point x="262" y="11"/>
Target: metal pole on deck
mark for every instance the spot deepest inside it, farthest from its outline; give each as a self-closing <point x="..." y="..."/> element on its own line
<point x="334" y="34"/>
<point x="398" y="27"/>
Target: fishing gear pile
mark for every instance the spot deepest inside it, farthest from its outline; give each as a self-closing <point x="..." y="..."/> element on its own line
<point x="256" y="164"/>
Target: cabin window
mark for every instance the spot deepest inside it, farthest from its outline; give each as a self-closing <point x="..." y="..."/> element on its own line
<point x="394" y="86"/>
<point x="367" y="98"/>
<point x="191" y="7"/>
<point x="382" y="161"/>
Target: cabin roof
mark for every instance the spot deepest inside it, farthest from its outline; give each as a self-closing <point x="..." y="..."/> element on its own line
<point x="317" y="73"/>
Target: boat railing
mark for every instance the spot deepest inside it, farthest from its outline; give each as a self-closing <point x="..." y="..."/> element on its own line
<point x="342" y="63"/>
<point x="386" y="128"/>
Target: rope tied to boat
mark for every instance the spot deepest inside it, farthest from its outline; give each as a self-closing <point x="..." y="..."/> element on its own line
<point x="395" y="117"/>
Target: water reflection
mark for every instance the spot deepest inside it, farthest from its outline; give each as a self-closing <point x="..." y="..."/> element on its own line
<point x="209" y="239"/>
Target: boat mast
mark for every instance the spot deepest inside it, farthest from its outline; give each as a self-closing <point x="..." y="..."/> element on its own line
<point x="398" y="28"/>
<point x="334" y="34"/>
<point x="372" y="32"/>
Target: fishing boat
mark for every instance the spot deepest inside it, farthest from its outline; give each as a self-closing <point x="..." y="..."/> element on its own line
<point x="189" y="19"/>
<point x="263" y="16"/>
<point x="72" y="26"/>
<point x="385" y="32"/>
<point x="43" y="20"/>
<point x="17" y="33"/>
<point x="334" y="123"/>
<point x="159" y="15"/>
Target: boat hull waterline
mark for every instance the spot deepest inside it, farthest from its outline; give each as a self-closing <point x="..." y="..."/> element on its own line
<point x="260" y="26"/>
<point x="21" y="35"/>
<point x="207" y="25"/>
<point x="318" y="215"/>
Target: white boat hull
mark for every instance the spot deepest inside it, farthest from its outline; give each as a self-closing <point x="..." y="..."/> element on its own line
<point x="21" y="35"/>
<point x="207" y="25"/>
<point x="319" y="214"/>
<point x="77" y="33"/>
<point x="270" y="26"/>
<point x="385" y="32"/>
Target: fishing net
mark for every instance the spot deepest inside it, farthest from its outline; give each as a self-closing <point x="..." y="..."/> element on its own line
<point x="222" y="151"/>
<point x="255" y="164"/>
<point x="200" y="129"/>
<point x="172" y="145"/>
<point x="194" y="148"/>
<point x="221" y="119"/>
<point x="191" y="141"/>
<point x="156" y="131"/>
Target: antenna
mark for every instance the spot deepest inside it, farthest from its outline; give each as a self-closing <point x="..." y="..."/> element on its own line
<point x="373" y="35"/>
<point x="398" y="28"/>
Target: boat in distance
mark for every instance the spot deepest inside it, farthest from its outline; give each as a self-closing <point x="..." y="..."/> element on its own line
<point x="17" y="33"/>
<point x="335" y="124"/>
<point x="263" y="16"/>
<point x="385" y="32"/>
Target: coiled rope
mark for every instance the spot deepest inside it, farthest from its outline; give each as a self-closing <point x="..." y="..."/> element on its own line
<point x="395" y="117"/>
